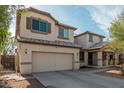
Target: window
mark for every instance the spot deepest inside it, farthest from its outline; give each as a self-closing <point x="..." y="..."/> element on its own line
<point x="39" y="25"/>
<point x="90" y="38"/>
<point x="81" y="56"/>
<point x="43" y="26"/>
<point x="35" y="24"/>
<point x="63" y="33"/>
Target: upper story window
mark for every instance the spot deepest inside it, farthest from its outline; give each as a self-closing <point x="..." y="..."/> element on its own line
<point x="63" y="33"/>
<point x="39" y="25"/>
<point x="90" y="38"/>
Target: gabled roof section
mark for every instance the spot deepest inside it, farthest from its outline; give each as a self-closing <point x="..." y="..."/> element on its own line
<point x="88" y="32"/>
<point x="49" y="15"/>
<point x="42" y="12"/>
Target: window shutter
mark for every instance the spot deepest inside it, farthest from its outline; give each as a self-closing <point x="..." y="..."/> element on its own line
<point x="28" y="23"/>
<point x="49" y="28"/>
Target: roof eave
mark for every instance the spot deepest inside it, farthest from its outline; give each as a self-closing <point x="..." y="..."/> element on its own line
<point x="67" y="26"/>
<point x="87" y="32"/>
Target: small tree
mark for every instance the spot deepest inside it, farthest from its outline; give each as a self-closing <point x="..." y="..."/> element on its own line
<point x="4" y="26"/>
<point x="10" y="45"/>
<point x="117" y="35"/>
<point x="7" y="13"/>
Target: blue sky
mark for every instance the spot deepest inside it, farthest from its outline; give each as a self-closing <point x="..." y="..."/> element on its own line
<point x="96" y="19"/>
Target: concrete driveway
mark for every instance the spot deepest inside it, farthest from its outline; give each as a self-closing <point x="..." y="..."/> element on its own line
<point x="77" y="79"/>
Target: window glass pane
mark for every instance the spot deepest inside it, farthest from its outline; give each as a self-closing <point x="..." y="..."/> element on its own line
<point x="66" y="33"/>
<point x="35" y="24"/>
<point x="90" y="38"/>
<point x="43" y="26"/>
<point x="61" y="32"/>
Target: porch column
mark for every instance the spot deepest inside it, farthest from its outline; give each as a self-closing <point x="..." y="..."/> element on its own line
<point x="107" y="59"/>
<point x="86" y="58"/>
<point x="116" y="58"/>
<point x="100" y="59"/>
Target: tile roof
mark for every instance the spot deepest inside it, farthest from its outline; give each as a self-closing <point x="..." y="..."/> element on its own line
<point x="46" y="42"/>
<point x="67" y="26"/>
<point x="97" y="45"/>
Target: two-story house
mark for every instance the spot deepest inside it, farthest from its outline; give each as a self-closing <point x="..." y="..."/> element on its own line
<point x="44" y="44"/>
<point x="93" y="52"/>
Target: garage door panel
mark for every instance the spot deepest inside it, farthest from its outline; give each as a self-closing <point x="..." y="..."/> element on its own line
<point x="63" y="67"/>
<point x="44" y="69"/>
<point x="51" y="62"/>
<point x="43" y="59"/>
<point x="63" y="61"/>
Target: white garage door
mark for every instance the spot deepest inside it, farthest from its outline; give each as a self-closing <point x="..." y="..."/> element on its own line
<point x="51" y="62"/>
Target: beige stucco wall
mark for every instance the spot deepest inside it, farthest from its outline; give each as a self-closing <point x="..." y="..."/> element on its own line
<point x="51" y="36"/>
<point x="83" y="40"/>
<point x="85" y="62"/>
<point x="96" y="39"/>
<point x="27" y="58"/>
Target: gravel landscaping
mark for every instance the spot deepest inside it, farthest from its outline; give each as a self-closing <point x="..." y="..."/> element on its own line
<point x="112" y="72"/>
<point x="19" y="81"/>
<point x="30" y="83"/>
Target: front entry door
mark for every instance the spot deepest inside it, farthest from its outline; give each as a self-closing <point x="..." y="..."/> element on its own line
<point x="90" y="58"/>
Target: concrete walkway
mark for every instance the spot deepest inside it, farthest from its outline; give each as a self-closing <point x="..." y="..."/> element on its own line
<point x="78" y="79"/>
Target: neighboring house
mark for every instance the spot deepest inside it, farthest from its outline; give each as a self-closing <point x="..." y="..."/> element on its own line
<point x="44" y="44"/>
<point x="93" y="52"/>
